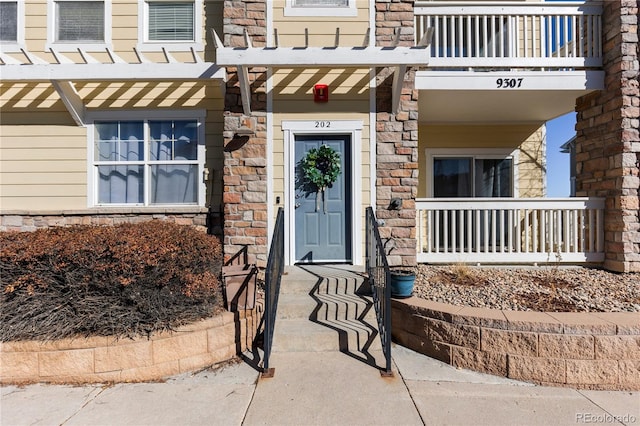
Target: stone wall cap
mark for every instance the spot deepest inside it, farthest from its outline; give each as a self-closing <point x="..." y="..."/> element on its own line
<point x="605" y="323"/>
<point x="109" y="211"/>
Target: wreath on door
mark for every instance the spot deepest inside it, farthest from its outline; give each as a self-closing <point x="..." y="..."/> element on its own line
<point x="321" y="168"/>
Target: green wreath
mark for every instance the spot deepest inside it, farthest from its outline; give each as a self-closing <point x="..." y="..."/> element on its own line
<point x="321" y="168"/>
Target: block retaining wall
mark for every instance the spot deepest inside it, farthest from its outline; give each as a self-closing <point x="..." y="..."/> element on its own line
<point x="106" y="359"/>
<point x="579" y="350"/>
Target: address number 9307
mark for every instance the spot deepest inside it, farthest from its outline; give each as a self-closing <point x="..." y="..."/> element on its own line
<point x="509" y="83"/>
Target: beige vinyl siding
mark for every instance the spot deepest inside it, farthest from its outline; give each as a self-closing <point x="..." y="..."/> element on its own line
<point x="528" y="139"/>
<point x="124" y="28"/>
<point x="43" y="153"/>
<point x="43" y="158"/>
<point x="532" y="165"/>
<point x="322" y="29"/>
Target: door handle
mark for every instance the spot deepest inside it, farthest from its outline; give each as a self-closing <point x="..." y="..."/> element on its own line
<point x="297" y="205"/>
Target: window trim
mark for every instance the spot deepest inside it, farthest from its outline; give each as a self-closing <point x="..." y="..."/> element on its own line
<point x="74" y="46"/>
<point x="153" y="46"/>
<point x="477" y="153"/>
<point x="329" y="11"/>
<point x="15" y="46"/>
<point x="145" y="115"/>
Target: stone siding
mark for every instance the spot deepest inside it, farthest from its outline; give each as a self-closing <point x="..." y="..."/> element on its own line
<point x="107" y="359"/>
<point x="579" y="350"/>
<point x="397" y="139"/>
<point x="27" y="221"/>
<point x="245" y="157"/>
<point x="608" y="141"/>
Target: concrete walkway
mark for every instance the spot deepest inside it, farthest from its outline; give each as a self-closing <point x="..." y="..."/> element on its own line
<point x="320" y="389"/>
<point x="327" y="358"/>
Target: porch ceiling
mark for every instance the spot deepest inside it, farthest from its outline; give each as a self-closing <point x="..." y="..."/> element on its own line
<point x="474" y="97"/>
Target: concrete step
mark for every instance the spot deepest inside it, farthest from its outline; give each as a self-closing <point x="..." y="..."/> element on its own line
<point x="348" y="285"/>
<point x="321" y="308"/>
<point x="296" y="335"/>
<point x="305" y="279"/>
<point x="324" y="306"/>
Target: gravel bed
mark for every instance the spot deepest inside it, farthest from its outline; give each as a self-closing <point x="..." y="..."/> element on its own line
<point x="549" y="289"/>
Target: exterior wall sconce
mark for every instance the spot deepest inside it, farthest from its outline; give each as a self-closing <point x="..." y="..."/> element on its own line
<point x="244" y="131"/>
<point x="395" y="204"/>
<point x="247" y="127"/>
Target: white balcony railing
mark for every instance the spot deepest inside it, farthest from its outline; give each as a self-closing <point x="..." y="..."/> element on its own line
<point x="510" y="34"/>
<point x="510" y="230"/>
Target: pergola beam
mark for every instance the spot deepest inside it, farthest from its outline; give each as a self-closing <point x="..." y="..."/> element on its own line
<point x="245" y="89"/>
<point x="64" y="72"/>
<point x="309" y="57"/>
<point x="396" y="91"/>
<point x="71" y="99"/>
<point x="113" y="72"/>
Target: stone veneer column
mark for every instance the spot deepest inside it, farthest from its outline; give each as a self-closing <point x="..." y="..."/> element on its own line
<point x="607" y="140"/>
<point x="245" y="177"/>
<point x="397" y="139"/>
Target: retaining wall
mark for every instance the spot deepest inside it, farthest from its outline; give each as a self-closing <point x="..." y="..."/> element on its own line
<point x="580" y="350"/>
<point x="106" y="359"/>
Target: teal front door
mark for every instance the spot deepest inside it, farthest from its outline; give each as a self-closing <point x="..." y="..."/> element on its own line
<point x="323" y="221"/>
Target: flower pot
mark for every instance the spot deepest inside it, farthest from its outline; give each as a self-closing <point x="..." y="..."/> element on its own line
<point x="402" y="283"/>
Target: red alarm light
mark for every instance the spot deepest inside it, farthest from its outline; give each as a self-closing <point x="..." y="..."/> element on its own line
<point x="321" y="93"/>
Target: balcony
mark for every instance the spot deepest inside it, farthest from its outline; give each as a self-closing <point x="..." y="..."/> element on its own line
<point x="507" y="62"/>
<point x="507" y="35"/>
<point x="510" y="230"/>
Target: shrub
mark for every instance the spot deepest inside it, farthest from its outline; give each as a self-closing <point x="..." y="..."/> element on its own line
<point x="123" y="280"/>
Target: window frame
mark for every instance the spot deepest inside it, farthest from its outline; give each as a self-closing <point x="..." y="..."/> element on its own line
<point x="73" y="46"/>
<point x="144" y="44"/>
<point x="145" y="116"/>
<point x="291" y="9"/>
<point x="474" y="154"/>
<point x="19" y="43"/>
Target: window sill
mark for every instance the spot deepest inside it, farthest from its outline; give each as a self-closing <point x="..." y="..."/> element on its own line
<point x="11" y="47"/>
<point x="171" y="46"/>
<point x="320" y="11"/>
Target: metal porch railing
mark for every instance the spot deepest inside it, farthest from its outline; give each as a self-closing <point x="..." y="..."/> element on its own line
<point x="511" y="34"/>
<point x="379" y="278"/>
<point x="273" y="277"/>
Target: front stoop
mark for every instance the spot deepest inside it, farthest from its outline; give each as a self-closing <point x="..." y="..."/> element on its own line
<point x="324" y="309"/>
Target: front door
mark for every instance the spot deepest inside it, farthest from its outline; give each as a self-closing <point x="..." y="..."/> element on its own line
<point x="323" y="220"/>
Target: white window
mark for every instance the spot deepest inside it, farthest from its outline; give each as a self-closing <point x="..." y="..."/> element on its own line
<point x="173" y="24"/>
<point x="321" y="3"/>
<point x="11" y="25"/>
<point x="320" y="8"/>
<point x="482" y="174"/>
<point x="74" y="24"/>
<point x="147" y="161"/>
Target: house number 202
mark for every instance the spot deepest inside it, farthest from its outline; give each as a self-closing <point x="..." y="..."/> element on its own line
<point x="323" y="124"/>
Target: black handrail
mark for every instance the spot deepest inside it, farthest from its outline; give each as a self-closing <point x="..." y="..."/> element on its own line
<point x="273" y="277"/>
<point x="379" y="278"/>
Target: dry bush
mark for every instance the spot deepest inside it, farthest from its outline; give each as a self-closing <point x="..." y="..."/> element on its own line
<point x="461" y="274"/>
<point x="125" y="280"/>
